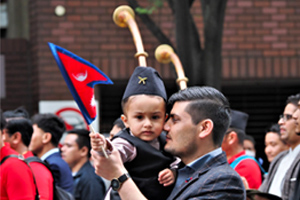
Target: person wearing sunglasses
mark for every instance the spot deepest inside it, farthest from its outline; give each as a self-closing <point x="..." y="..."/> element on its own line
<point x="282" y="176"/>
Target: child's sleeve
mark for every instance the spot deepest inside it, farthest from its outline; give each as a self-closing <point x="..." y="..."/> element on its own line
<point x="125" y="148"/>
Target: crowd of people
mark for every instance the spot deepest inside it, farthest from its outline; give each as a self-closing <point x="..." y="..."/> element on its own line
<point x="190" y="146"/>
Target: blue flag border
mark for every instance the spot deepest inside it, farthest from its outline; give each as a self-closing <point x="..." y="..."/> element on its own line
<point x="54" y="48"/>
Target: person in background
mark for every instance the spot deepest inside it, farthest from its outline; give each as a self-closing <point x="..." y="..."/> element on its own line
<point x="47" y="131"/>
<point x="246" y="166"/>
<point x="273" y="143"/>
<point x="17" y="132"/>
<point x="118" y="125"/>
<point x="18" y="113"/>
<point x="76" y="152"/>
<point x="283" y="170"/>
<point x="15" y="176"/>
<point x="249" y="145"/>
<point x="199" y="118"/>
<point x="296" y="117"/>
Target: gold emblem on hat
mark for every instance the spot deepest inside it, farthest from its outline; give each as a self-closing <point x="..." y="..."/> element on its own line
<point x="142" y="80"/>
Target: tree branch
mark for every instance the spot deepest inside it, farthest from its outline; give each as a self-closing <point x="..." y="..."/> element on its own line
<point x="155" y="30"/>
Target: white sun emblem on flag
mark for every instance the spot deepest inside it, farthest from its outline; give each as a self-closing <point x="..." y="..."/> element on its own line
<point x="93" y="102"/>
<point x="80" y="76"/>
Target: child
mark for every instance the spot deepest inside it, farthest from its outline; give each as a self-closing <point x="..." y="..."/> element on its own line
<point x="141" y="144"/>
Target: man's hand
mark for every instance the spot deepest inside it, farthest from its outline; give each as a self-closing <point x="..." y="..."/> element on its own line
<point x="108" y="168"/>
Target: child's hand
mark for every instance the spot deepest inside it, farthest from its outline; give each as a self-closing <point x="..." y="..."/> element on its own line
<point x="166" y="177"/>
<point x="97" y="141"/>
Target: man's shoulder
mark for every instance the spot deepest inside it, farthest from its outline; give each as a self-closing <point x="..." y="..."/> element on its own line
<point x="223" y="169"/>
<point x="14" y="164"/>
<point x="247" y="161"/>
<point x="88" y="175"/>
<point x="87" y="168"/>
<point x="219" y="181"/>
<point x="276" y="161"/>
<point x="281" y="155"/>
<point x="219" y="166"/>
<point x="56" y="161"/>
<point x="54" y="158"/>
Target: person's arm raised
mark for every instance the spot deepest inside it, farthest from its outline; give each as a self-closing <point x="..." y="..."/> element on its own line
<point x="112" y="167"/>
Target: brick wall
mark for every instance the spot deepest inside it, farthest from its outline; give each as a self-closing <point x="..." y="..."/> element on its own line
<point x="17" y="74"/>
<point x="261" y="42"/>
<point x="261" y="39"/>
<point x="87" y="29"/>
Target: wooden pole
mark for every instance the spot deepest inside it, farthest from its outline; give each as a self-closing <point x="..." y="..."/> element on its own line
<point x="165" y="54"/>
<point x="123" y="16"/>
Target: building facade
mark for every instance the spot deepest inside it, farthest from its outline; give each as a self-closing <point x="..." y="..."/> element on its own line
<point x="260" y="53"/>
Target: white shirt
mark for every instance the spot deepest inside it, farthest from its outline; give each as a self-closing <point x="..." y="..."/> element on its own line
<point x="285" y="164"/>
<point x="48" y="153"/>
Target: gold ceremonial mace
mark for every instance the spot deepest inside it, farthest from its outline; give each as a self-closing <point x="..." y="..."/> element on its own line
<point x="123" y="16"/>
<point x="165" y="54"/>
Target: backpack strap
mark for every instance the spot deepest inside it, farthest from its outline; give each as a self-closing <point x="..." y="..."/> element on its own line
<point x="46" y="164"/>
<point x="244" y="157"/>
<point x="58" y="192"/>
<point x="9" y="156"/>
<point x="38" y="160"/>
<point x="20" y="157"/>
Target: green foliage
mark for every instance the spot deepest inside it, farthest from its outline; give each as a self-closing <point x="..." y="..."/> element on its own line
<point x="153" y="5"/>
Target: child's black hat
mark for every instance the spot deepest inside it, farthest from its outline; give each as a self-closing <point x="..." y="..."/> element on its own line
<point x="145" y="80"/>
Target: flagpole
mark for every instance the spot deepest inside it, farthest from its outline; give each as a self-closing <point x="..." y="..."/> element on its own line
<point x="123" y="16"/>
<point x="102" y="148"/>
<point x="165" y="54"/>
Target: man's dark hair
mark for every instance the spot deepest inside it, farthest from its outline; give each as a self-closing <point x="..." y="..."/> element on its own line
<point x="83" y="139"/>
<point x="119" y="123"/>
<point x="206" y="103"/>
<point x="50" y="123"/>
<point x="293" y="99"/>
<point x="250" y="138"/>
<point x="19" y="112"/>
<point x="240" y="134"/>
<point x="3" y="122"/>
<point x="275" y="128"/>
<point x="23" y="126"/>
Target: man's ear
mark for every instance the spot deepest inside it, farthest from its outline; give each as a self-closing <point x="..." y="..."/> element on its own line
<point x="46" y="137"/>
<point x="124" y="119"/>
<point x="16" y="138"/>
<point x="231" y="137"/>
<point x="205" y="128"/>
<point x="84" y="151"/>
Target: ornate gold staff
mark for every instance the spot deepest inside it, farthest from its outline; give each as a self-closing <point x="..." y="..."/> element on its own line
<point x="123" y="16"/>
<point x="165" y="54"/>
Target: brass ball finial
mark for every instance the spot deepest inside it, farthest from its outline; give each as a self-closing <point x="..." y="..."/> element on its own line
<point x="163" y="53"/>
<point x="121" y="15"/>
